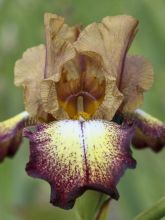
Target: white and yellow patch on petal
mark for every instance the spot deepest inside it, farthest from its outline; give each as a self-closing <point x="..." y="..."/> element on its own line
<point x="9" y="124"/>
<point x="75" y="155"/>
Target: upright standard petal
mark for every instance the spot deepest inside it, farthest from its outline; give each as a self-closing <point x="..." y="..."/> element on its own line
<point x="150" y="131"/>
<point x="59" y="49"/>
<point x="77" y="155"/>
<point x="29" y="71"/>
<point x="109" y="39"/>
<point x="11" y="134"/>
<point x="137" y="78"/>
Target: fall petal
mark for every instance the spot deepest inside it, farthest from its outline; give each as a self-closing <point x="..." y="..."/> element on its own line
<point x="29" y="71"/>
<point x="150" y="131"/>
<point x="11" y="134"/>
<point x="108" y="41"/>
<point x="77" y="155"/>
<point x="137" y="78"/>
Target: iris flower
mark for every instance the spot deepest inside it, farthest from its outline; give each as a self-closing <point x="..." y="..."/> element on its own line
<point x="82" y="92"/>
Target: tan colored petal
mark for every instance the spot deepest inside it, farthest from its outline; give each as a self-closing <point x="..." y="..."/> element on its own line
<point x="137" y="78"/>
<point x="74" y="67"/>
<point x="109" y="39"/>
<point x="29" y="71"/>
<point x="112" y="100"/>
<point x="50" y="101"/>
<point x="93" y="67"/>
<point x="59" y="52"/>
<point x="54" y="25"/>
<point x="84" y="64"/>
<point x="59" y="49"/>
<point x="70" y="33"/>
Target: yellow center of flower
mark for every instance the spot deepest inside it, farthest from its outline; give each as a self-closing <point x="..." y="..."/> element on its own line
<point x="80" y="97"/>
<point x="82" y="115"/>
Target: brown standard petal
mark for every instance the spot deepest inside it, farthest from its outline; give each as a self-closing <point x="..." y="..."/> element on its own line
<point x="59" y="49"/>
<point x="137" y="78"/>
<point x="11" y="134"/>
<point x="29" y="71"/>
<point x="150" y="132"/>
<point x="108" y="41"/>
<point x="77" y="155"/>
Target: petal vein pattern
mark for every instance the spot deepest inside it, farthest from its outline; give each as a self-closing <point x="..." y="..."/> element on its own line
<point x="77" y="155"/>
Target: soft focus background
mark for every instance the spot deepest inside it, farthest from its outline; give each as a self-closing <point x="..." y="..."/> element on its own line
<point x="21" y="26"/>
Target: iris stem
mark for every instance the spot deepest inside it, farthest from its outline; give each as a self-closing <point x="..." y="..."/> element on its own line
<point x="156" y="212"/>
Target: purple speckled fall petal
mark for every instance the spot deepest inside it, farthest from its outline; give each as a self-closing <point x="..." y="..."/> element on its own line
<point x="77" y="155"/>
<point x="11" y="134"/>
<point x="150" y="132"/>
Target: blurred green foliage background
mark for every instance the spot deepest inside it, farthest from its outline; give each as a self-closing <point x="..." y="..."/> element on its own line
<point x="21" y="27"/>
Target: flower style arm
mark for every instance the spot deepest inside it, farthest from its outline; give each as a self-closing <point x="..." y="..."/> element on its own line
<point x="150" y="132"/>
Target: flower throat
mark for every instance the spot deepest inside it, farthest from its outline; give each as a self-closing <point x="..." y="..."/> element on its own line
<point x="80" y="97"/>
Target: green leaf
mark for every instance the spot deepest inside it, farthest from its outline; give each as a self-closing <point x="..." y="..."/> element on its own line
<point x="156" y="212"/>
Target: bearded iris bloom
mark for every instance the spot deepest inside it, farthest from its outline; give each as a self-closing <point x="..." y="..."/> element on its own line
<point x="82" y="92"/>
